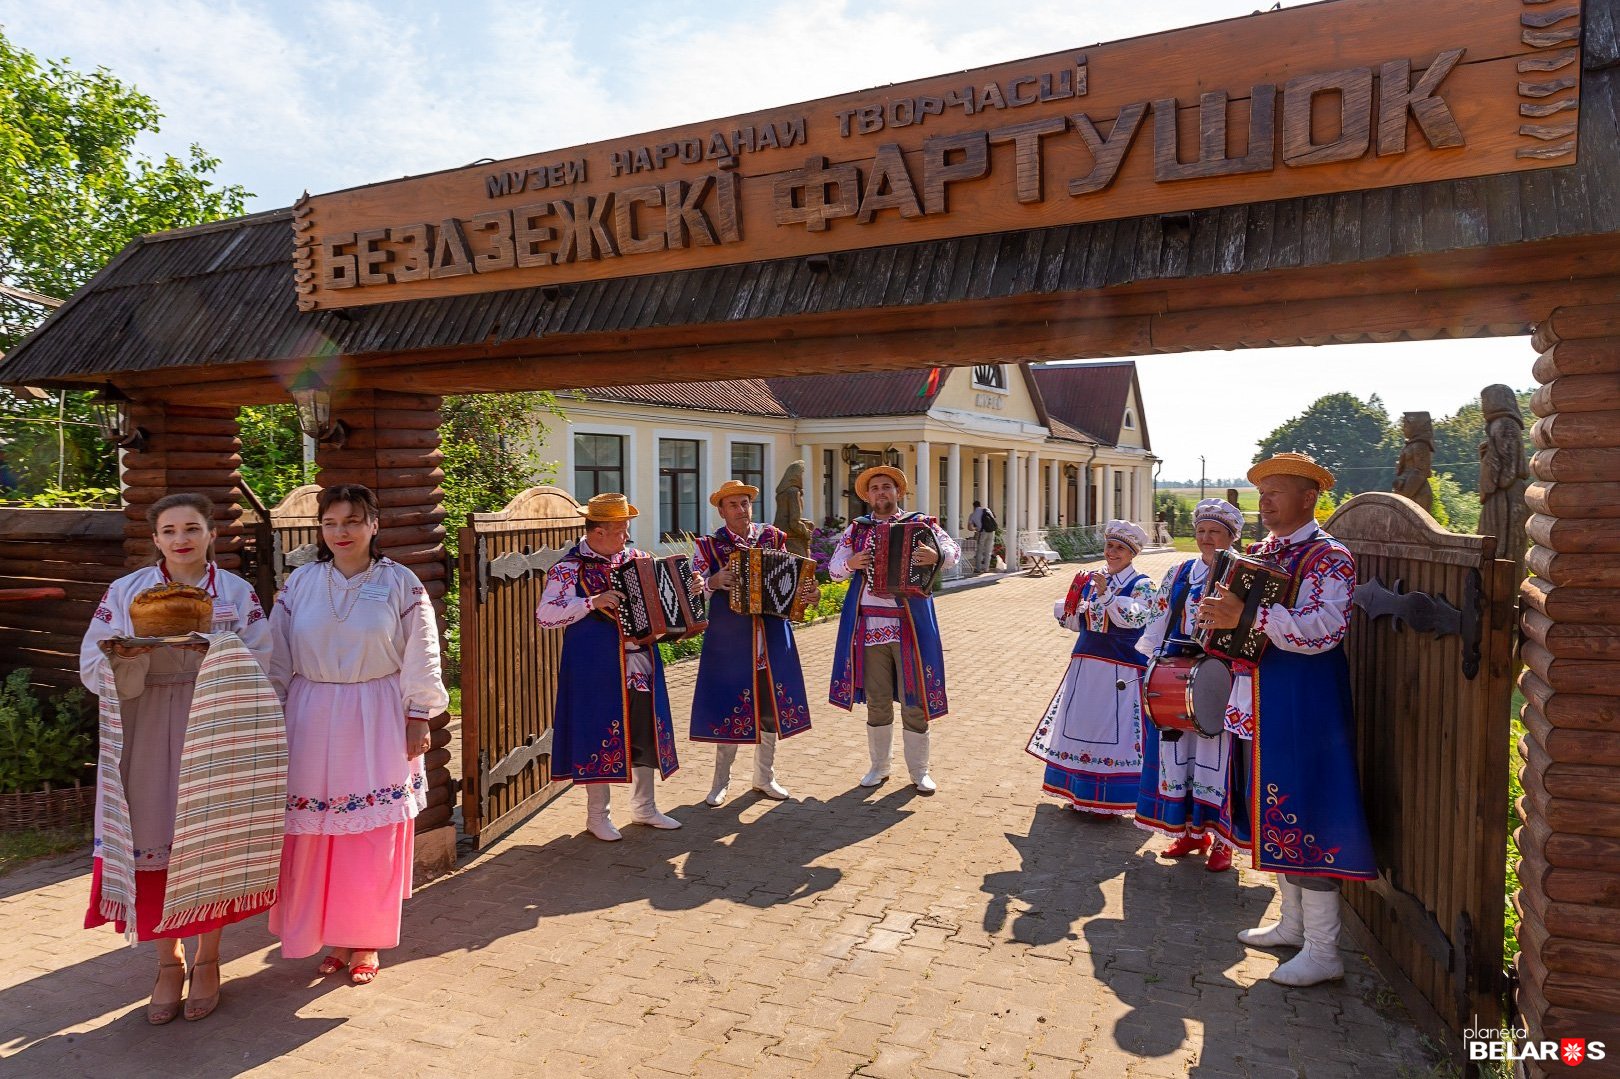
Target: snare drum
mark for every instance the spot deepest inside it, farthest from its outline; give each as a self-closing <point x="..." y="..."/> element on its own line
<point x="1187" y="693"/>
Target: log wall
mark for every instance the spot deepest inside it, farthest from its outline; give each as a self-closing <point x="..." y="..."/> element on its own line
<point x="1569" y="875"/>
<point x="80" y="551"/>
<point x="187" y="449"/>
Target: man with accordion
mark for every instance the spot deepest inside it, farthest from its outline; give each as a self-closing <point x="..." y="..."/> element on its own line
<point x="888" y="638"/>
<point x="750" y="688"/>
<point x="612" y="720"/>
<point x="1294" y="801"/>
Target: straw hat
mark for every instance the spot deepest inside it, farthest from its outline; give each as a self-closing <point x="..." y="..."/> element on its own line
<point x="732" y="487"/>
<point x="864" y="480"/>
<point x="607" y="506"/>
<point x="1292" y="464"/>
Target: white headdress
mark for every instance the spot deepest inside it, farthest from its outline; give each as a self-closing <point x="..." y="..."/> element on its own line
<point x="1131" y="535"/>
<point x="1220" y="511"/>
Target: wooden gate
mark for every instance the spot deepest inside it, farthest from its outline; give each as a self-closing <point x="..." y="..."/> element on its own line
<point x="1430" y="651"/>
<point x="508" y="663"/>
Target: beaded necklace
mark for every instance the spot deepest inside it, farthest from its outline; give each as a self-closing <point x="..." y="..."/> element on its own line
<point x="354" y="598"/>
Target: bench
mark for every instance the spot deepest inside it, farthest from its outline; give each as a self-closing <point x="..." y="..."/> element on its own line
<point x="1034" y="555"/>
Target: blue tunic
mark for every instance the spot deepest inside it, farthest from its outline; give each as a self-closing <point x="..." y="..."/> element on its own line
<point x="723" y="705"/>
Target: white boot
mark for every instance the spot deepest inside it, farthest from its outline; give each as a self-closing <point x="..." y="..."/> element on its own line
<point x="765" y="768"/>
<point x="723" y="756"/>
<point x="1288" y="931"/>
<point x="596" y="813"/>
<point x="915" y="744"/>
<point x="643" y="809"/>
<point x="1318" y="961"/>
<point x="880" y="744"/>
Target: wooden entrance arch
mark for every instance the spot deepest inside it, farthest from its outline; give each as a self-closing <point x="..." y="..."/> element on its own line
<point x="1086" y="204"/>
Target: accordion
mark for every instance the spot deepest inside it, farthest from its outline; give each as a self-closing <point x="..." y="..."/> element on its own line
<point x="659" y="604"/>
<point x="1258" y="583"/>
<point x="895" y="571"/>
<point x="768" y="582"/>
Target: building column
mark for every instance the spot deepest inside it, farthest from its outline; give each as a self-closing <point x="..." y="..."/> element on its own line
<point x="187" y="449"/>
<point x="919" y="497"/>
<point x="1054" y="493"/>
<point x="812" y="484"/>
<point x="953" y="490"/>
<point x="1569" y="868"/>
<point x="1032" y="487"/>
<point x="981" y="474"/>
<point x="1105" y="491"/>
<point x="393" y="448"/>
<point x="1013" y="508"/>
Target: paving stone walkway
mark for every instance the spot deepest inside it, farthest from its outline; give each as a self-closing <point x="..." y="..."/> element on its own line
<point x="983" y="931"/>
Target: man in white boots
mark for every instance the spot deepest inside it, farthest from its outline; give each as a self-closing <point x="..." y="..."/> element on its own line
<point x="612" y="720"/>
<point x="1295" y="765"/>
<point x="889" y="647"/>
<point x="750" y="688"/>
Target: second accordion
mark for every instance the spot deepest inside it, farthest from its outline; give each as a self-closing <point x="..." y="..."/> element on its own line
<point x="895" y="571"/>
<point x="1258" y="583"/>
<point x="769" y="582"/>
<point x="659" y="603"/>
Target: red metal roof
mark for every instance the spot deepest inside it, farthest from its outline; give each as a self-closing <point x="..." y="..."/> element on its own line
<point x="750" y="397"/>
<point x="1092" y="397"/>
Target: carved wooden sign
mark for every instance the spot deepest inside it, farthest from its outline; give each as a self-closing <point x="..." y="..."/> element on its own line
<point x="1338" y="96"/>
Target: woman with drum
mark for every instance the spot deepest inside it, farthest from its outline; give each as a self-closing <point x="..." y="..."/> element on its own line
<point x="1091" y="735"/>
<point x="1184" y="769"/>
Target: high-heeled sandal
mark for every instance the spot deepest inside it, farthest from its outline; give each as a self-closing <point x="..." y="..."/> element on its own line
<point x="364" y="973"/>
<point x="331" y="965"/>
<point x="201" y="1007"/>
<point x="159" y="1014"/>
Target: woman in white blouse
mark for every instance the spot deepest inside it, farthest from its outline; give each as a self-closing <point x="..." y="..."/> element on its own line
<point x="357" y="665"/>
<point x="154" y="689"/>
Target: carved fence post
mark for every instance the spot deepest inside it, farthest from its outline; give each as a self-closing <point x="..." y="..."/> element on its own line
<point x="1569" y="874"/>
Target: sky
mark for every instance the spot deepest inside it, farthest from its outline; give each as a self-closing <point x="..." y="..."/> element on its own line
<point x="296" y="96"/>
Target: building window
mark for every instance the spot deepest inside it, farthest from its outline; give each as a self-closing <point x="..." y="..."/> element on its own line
<point x="748" y="465"/>
<point x="1130" y="420"/>
<point x="943" y="506"/>
<point x="678" y="483"/>
<point x="598" y="465"/>
<point x="828" y="487"/>
<point x="990" y="376"/>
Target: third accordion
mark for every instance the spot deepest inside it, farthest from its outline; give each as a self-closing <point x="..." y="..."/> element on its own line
<point x="895" y="571"/>
<point x="659" y="603"/>
<point x="769" y="582"/>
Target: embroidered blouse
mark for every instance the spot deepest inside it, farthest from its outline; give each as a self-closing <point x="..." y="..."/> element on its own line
<point x="1128" y="607"/>
<point x="758" y="536"/>
<point x="1317" y="622"/>
<point x="881" y="627"/>
<point x="236" y="608"/>
<point x="565" y="602"/>
<point x="1158" y="626"/>
<point x="331" y="629"/>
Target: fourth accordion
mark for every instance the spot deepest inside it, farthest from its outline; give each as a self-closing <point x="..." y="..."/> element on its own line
<point x="769" y="582"/>
<point x="895" y="571"/>
<point x="659" y="603"/>
<point x="1258" y="583"/>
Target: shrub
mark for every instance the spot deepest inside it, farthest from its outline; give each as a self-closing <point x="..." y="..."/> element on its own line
<point x="40" y="751"/>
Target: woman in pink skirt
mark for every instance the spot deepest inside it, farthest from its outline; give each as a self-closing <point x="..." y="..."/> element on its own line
<point x="357" y="664"/>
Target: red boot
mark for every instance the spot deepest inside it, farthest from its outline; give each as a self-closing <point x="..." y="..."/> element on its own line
<point x="1186" y="845"/>
<point x="1220" y="859"/>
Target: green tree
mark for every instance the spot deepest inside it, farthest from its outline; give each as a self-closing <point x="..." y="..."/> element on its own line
<point x="1454" y="507"/>
<point x="272" y="451"/>
<point x="73" y="192"/>
<point x="1175" y="511"/>
<point x="1352" y="438"/>
<point x="1457" y="439"/>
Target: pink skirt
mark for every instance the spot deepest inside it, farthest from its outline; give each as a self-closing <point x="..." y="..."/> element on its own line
<point x="343" y="891"/>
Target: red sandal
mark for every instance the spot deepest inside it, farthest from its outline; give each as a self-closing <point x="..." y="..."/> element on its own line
<point x="1187" y="844"/>
<point x="331" y="965"/>
<point x="364" y="973"/>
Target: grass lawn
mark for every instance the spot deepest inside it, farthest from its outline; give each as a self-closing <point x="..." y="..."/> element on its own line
<point x="1248" y="497"/>
<point x="19" y="847"/>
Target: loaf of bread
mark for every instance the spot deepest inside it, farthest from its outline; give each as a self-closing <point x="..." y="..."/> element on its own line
<point x="171" y="610"/>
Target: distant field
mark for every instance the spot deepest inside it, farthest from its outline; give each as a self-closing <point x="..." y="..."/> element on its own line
<point x="1248" y="497"/>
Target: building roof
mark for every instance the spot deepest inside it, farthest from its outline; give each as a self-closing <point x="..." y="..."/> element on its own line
<point x="1092" y="398"/>
<point x="749" y="397"/>
<point x="860" y="393"/>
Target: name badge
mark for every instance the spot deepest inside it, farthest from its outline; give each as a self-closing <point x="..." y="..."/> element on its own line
<point x="224" y="612"/>
<point x="374" y="593"/>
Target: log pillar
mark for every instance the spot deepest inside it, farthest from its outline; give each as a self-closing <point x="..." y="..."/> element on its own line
<point x="187" y="449"/>
<point x="393" y="448"/>
<point x="1569" y="872"/>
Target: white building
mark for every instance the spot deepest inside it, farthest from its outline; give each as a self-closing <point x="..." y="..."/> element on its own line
<point x="1016" y="435"/>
